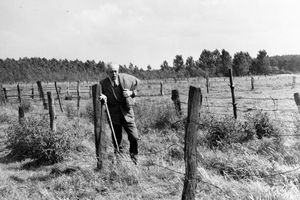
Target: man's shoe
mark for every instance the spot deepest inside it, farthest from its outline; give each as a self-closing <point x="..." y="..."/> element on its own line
<point x="134" y="158"/>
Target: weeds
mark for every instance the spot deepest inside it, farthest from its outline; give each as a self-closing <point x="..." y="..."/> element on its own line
<point x="34" y="139"/>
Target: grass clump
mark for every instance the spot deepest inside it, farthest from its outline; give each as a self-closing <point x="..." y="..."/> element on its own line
<point x="34" y="139"/>
<point x="26" y="106"/>
<point x="151" y="116"/>
<point x="71" y="110"/>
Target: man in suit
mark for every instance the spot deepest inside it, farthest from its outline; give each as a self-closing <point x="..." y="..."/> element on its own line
<point x="118" y="91"/>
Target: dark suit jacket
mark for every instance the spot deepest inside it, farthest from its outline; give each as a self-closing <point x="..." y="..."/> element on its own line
<point x="118" y="107"/>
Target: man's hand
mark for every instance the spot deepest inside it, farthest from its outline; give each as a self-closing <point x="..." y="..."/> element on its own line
<point x="103" y="98"/>
<point x="127" y="93"/>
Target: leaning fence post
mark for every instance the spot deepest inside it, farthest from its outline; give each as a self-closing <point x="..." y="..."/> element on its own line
<point x="21" y="114"/>
<point x="176" y="100"/>
<point x="42" y="96"/>
<point x="232" y="94"/>
<point x="190" y="145"/>
<point x="78" y="98"/>
<point x="100" y="135"/>
<point x="252" y="83"/>
<point x="19" y="93"/>
<point x="51" y="111"/>
<point x="5" y="94"/>
<point x="161" y="89"/>
<point x="297" y="100"/>
<point x="58" y="97"/>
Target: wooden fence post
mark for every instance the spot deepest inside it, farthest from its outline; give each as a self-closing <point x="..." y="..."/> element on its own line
<point x="176" y="100"/>
<point x="190" y="145"/>
<point x="232" y="94"/>
<point x="42" y="96"/>
<point x="161" y="89"/>
<point x="58" y="97"/>
<point x="99" y="129"/>
<point x="21" y="114"/>
<point x="32" y="92"/>
<point x="19" y="93"/>
<point x="207" y="84"/>
<point x="5" y="94"/>
<point x="51" y="111"/>
<point x="2" y="98"/>
<point x="252" y="83"/>
<point x="78" y="98"/>
<point x="294" y="82"/>
<point x="297" y="100"/>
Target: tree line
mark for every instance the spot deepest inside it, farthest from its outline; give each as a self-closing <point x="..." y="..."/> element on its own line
<point x="209" y="63"/>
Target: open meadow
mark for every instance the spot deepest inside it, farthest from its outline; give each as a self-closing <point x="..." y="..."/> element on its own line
<point x="255" y="156"/>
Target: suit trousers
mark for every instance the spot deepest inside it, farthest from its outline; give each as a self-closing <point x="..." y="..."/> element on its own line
<point x="131" y="130"/>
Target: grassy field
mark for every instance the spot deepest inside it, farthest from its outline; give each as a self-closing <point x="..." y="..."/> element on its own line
<point x="253" y="157"/>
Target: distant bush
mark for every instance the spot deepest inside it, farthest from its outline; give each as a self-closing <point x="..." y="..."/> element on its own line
<point x="89" y="111"/>
<point x="4" y="118"/>
<point x="225" y="131"/>
<point x="154" y="116"/>
<point x="26" y="105"/>
<point x="34" y="139"/>
<point x="71" y="110"/>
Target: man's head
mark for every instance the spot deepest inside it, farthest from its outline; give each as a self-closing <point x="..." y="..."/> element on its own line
<point x="112" y="71"/>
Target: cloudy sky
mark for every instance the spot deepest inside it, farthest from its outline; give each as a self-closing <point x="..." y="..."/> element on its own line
<point x="146" y="32"/>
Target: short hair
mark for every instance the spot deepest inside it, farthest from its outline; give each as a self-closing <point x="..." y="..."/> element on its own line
<point x="110" y="67"/>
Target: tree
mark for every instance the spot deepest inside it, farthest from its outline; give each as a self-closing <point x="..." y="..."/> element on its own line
<point x="178" y="63"/>
<point x="209" y="61"/>
<point x="165" y="66"/>
<point x="241" y="63"/>
<point x="149" y="68"/>
<point x="226" y="62"/>
<point x="261" y="64"/>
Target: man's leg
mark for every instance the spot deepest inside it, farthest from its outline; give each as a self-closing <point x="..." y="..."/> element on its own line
<point x="131" y="130"/>
<point x="118" y="133"/>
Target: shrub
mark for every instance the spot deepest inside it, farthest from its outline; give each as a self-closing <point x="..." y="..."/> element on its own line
<point x="260" y="124"/>
<point x="34" y="139"/>
<point x="221" y="132"/>
<point x="71" y="111"/>
<point x="26" y="105"/>
<point x="156" y="116"/>
<point x="89" y="111"/>
<point x="225" y="131"/>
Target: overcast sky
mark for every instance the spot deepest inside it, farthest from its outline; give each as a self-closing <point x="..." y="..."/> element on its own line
<point x="146" y="32"/>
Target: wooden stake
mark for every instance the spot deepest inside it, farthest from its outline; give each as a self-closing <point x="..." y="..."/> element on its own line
<point x="161" y="89"/>
<point x="21" y="114"/>
<point x="252" y="83"/>
<point x="99" y="130"/>
<point x="297" y="100"/>
<point x="42" y="96"/>
<point x="51" y="111"/>
<point x="78" y="99"/>
<point x="58" y="97"/>
<point x="32" y="92"/>
<point x="5" y="94"/>
<point x="232" y="94"/>
<point x="190" y="146"/>
<point x="19" y="93"/>
<point x="207" y="84"/>
<point x="176" y="100"/>
<point x="2" y="99"/>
